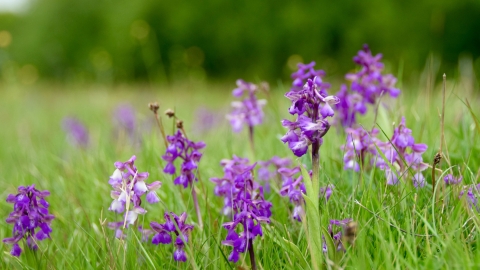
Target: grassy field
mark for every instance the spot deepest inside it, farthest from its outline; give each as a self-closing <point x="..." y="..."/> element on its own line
<point x="398" y="227"/>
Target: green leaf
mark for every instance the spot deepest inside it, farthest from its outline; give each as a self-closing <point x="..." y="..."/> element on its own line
<point x="313" y="231"/>
<point x="144" y="251"/>
<point x="289" y="247"/>
<point x="330" y="246"/>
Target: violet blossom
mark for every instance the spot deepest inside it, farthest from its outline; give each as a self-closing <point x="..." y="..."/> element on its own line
<point x="471" y="196"/>
<point x="401" y="151"/>
<point x="312" y="106"/>
<point x="366" y="86"/>
<point x="293" y="187"/>
<point x="249" y="111"/>
<point x="225" y="186"/>
<point x="128" y="186"/>
<point x="30" y="217"/>
<point x="249" y="210"/>
<point x="180" y="230"/>
<point x="404" y="155"/>
<point x="125" y="121"/>
<point x="146" y="233"/>
<point x="188" y="151"/>
<point x="450" y="179"/>
<point x="205" y="120"/>
<point x="336" y="237"/>
<point x="266" y="174"/>
<point x="77" y="133"/>
<point x="360" y="143"/>
<point x="304" y="72"/>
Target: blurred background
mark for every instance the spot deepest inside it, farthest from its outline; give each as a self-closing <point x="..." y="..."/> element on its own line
<point x="164" y="42"/>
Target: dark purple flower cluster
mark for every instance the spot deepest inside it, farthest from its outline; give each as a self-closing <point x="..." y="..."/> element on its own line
<point x="30" y="214"/>
<point x="366" y="86"/>
<point x="312" y="107"/>
<point x="188" y="151"/>
<point x="337" y="237"/>
<point x="163" y="233"/>
<point x="225" y="186"/>
<point x="249" y="111"/>
<point x="77" y="133"/>
<point x="293" y="187"/>
<point x="305" y="72"/>
<point x="128" y="186"/>
<point x="250" y="210"/>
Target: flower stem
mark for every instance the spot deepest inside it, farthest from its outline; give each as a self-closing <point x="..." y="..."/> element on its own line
<point x="316" y="168"/>
<point x="162" y="130"/>
<point x="250" y="136"/>
<point x="252" y="254"/>
<point x="197" y="208"/>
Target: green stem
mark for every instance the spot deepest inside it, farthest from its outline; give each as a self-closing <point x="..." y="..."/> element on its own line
<point x="197" y="208"/>
<point x="250" y="136"/>
<point x="316" y="170"/>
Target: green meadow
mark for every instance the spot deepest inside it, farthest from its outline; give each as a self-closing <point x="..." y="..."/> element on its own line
<point x="397" y="227"/>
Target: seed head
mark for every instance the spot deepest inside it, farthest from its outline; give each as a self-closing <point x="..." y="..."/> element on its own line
<point x="265" y="86"/>
<point x="437" y="159"/>
<point x="170" y="113"/>
<point x="179" y="124"/>
<point x="351" y="231"/>
<point x="153" y="107"/>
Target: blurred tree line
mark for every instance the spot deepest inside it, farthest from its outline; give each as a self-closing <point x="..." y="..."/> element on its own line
<point x="165" y="41"/>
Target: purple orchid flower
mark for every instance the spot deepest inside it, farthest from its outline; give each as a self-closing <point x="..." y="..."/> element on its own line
<point x="312" y="107"/>
<point x="293" y="187"/>
<point x="128" y="186"/>
<point x="266" y="175"/>
<point x="163" y="233"/>
<point x="30" y="217"/>
<point x="188" y="151"/>
<point x="249" y="111"/>
<point x="206" y="120"/>
<point x="249" y="210"/>
<point x="360" y="143"/>
<point x="471" y="195"/>
<point x="305" y="72"/>
<point x="450" y="179"/>
<point x="366" y="87"/>
<point x="337" y="237"/>
<point x="400" y="151"/>
<point x="125" y="121"/>
<point x="77" y="133"/>
<point x="225" y="186"/>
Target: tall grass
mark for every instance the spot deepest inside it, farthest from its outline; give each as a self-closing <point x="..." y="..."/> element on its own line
<point x="399" y="227"/>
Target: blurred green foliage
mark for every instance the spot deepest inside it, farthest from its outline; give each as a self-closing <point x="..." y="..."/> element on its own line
<point x="165" y="41"/>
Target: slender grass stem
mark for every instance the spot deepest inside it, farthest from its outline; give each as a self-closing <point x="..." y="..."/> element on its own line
<point x="154" y="108"/>
<point x="197" y="208"/>
<point x="162" y="130"/>
<point x="438" y="156"/>
<point x="250" y="136"/>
